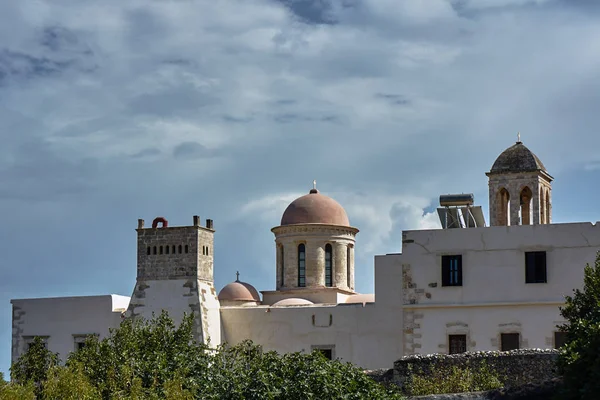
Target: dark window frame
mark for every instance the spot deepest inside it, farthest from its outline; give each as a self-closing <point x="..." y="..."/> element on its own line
<point x="507" y="340"/>
<point x="328" y="265"/>
<point x="536" y="267"/>
<point x="301" y="265"/>
<point x="452" y="274"/>
<point x="558" y="343"/>
<point x="282" y="255"/>
<point x="457" y="343"/>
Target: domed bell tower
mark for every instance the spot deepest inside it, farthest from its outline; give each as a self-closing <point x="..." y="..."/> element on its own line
<point x="519" y="188"/>
<point x="315" y="248"/>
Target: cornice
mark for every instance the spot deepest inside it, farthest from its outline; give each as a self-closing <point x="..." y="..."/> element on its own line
<point x="300" y="229"/>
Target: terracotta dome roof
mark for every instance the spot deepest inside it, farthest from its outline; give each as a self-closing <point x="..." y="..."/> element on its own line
<point x="239" y="291"/>
<point x="315" y="208"/>
<point x="517" y="158"/>
<point x="293" y="301"/>
<point x="360" y="298"/>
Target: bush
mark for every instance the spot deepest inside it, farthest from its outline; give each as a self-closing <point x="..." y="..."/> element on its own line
<point x="14" y="391"/>
<point x="156" y="360"/>
<point x="578" y="362"/>
<point x="452" y="380"/>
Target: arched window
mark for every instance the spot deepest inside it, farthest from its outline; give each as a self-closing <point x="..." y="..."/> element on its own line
<point x="525" y="205"/>
<point x="186" y="249"/>
<point x="148" y="250"/>
<point x="167" y="249"/>
<point x="206" y="250"/>
<point x="173" y="249"/>
<point x="281" y="254"/>
<point x="154" y="250"/>
<point x="301" y="265"/>
<point x="161" y="249"/>
<point x="328" y="265"/>
<point x="180" y="248"/>
<point x="503" y="207"/>
<point x="548" y="206"/>
<point x="348" y="272"/>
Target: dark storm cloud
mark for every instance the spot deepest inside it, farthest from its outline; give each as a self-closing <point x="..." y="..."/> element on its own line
<point x="16" y="65"/>
<point x="312" y="11"/>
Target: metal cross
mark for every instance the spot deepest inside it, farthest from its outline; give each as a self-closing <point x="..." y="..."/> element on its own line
<point x="518" y="136"/>
<point x="314" y="184"/>
<point x="237" y="276"/>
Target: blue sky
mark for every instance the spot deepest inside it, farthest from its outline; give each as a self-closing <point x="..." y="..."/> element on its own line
<point x="113" y="111"/>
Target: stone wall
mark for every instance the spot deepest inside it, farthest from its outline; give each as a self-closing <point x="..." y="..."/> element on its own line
<point x="515" y="368"/>
<point x="175" y="252"/>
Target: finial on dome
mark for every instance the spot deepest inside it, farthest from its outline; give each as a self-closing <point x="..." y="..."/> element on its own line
<point x="237" y="276"/>
<point x="519" y="137"/>
<point x="314" y="189"/>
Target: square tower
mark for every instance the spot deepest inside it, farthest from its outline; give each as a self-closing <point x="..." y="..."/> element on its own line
<point x="175" y="274"/>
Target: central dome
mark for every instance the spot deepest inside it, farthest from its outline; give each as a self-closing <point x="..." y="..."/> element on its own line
<point x="315" y="208"/>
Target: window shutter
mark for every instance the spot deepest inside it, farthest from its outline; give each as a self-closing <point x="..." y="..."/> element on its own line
<point x="540" y="265"/>
<point x="530" y="267"/>
<point x="459" y="265"/>
<point x="445" y="271"/>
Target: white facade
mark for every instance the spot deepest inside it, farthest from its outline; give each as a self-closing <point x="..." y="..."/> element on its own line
<point x="449" y="290"/>
<point x="64" y="321"/>
<point x="493" y="297"/>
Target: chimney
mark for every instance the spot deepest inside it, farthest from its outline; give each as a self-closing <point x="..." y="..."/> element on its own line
<point x="140" y="224"/>
<point x="209" y="223"/>
<point x="196" y="220"/>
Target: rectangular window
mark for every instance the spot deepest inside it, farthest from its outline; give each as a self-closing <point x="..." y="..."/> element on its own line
<point x="535" y="267"/>
<point x="80" y="339"/>
<point x="457" y="344"/>
<point x="509" y="341"/>
<point x="560" y="339"/>
<point x="452" y="270"/>
<point x="302" y="265"/>
<point x="327" y="350"/>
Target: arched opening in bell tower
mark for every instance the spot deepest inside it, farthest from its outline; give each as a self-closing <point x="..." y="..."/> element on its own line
<point x="503" y="207"/>
<point x="525" y="199"/>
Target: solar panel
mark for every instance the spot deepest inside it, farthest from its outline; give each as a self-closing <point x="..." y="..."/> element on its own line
<point x="478" y="215"/>
<point x="468" y="217"/>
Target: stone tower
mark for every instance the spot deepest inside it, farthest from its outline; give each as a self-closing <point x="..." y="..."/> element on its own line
<point x="520" y="188"/>
<point x="315" y="246"/>
<point x="175" y="273"/>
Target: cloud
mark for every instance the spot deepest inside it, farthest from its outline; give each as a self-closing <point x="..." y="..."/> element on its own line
<point x="113" y="110"/>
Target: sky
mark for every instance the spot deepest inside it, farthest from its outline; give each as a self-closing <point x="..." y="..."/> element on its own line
<point x="112" y="111"/>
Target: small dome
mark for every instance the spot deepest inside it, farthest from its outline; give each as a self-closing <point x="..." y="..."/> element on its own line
<point x="293" y="301"/>
<point x="517" y="158"/>
<point x="360" y="298"/>
<point x="315" y="208"/>
<point x="239" y="291"/>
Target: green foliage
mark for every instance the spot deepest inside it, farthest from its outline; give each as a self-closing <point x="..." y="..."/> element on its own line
<point x="68" y="384"/>
<point x="452" y="380"/>
<point x="578" y="362"/>
<point x="156" y="360"/>
<point x="14" y="391"/>
<point x="33" y="365"/>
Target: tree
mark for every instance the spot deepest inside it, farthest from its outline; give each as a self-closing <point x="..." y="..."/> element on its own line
<point x="579" y="361"/>
<point x="157" y="360"/>
<point x="33" y="365"/>
<point x="14" y="391"/>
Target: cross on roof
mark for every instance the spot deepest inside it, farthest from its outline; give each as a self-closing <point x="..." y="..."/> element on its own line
<point x="237" y="276"/>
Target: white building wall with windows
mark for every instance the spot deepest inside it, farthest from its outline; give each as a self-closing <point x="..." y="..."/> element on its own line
<point x="493" y="296"/>
<point x="62" y="322"/>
